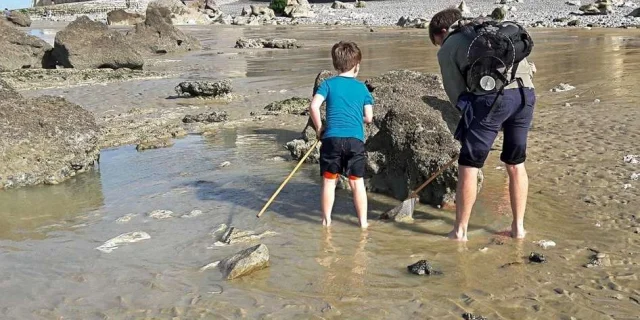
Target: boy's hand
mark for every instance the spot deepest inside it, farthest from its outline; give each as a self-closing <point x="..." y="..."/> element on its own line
<point x="319" y="133"/>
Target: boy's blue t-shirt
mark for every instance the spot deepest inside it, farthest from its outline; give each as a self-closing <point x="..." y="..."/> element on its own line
<point x="346" y="98"/>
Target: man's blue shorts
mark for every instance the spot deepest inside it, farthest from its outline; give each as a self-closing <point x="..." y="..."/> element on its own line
<point x="480" y="124"/>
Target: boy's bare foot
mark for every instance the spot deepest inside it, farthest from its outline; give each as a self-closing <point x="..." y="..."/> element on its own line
<point x="364" y="225"/>
<point x="454" y="235"/>
<point x="518" y="232"/>
<point x="326" y="222"/>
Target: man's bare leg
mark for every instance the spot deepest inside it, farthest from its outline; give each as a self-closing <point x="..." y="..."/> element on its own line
<point x="360" y="200"/>
<point x="328" y="198"/>
<point x="518" y="190"/>
<point x="466" y="194"/>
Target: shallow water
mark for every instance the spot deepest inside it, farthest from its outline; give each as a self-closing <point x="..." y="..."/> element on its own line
<point x="50" y="268"/>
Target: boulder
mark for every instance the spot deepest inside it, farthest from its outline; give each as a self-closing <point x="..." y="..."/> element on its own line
<point x="86" y="44"/>
<point x="411" y="137"/>
<point x="45" y="139"/>
<point x="245" y="262"/>
<point x="19" y="50"/>
<point x="262" y="11"/>
<point x="122" y="18"/>
<point x="600" y="7"/>
<point x="19" y="18"/>
<point x="298" y="9"/>
<point x="635" y="13"/>
<point x="361" y="4"/>
<point x="342" y="5"/>
<point x="158" y="35"/>
<point x="204" y="88"/>
<point x="407" y="22"/>
<point x="181" y="13"/>
<point x="295" y="105"/>
<point x="210" y="4"/>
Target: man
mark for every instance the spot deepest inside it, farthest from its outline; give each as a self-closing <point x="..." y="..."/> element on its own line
<point x="482" y="120"/>
<point x="7" y="12"/>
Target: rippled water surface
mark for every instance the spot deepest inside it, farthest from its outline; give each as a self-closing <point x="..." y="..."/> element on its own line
<point x="50" y="269"/>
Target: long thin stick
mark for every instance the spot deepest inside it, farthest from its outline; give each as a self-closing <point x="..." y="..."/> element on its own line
<point x="313" y="147"/>
<point x="435" y="175"/>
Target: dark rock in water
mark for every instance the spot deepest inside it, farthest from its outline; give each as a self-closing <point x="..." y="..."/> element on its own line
<point x="295" y="105"/>
<point x="247" y="43"/>
<point x="423" y="267"/>
<point x="21" y="51"/>
<point x="87" y="44"/>
<point x="245" y="262"/>
<point x="44" y="139"/>
<point x="204" y="88"/>
<point x="216" y="116"/>
<point x="537" y="257"/>
<point x="469" y="316"/>
<point x="120" y="17"/>
<point x="226" y="237"/>
<point x="20" y="19"/>
<point x="158" y="35"/>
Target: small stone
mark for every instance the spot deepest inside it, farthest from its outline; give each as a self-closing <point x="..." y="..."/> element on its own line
<point x="245" y="262"/>
<point x="224" y="164"/>
<point x="632" y="159"/>
<point x="596" y="101"/>
<point x="484" y="250"/>
<point x="160" y="214"/>
<point x="567" y="104"/>
<point x="562" y="87"/>
<point x="192" y="214"/>
<point x="469" y="316"/>
<point x="210" y="266"/>
<point x="116" y="242"/>
<point x="601" y="255"/>
<point x="559" y="291"/>
<point x="545" y="244"/>
<point x="537" y="257"/>
<point x="422" y="267"/>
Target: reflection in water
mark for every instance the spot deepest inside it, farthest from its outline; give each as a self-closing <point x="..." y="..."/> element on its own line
<point x="23" y="211"/>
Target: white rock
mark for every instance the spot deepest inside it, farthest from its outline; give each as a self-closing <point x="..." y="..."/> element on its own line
<point x="567" y="104"/>
<point x="632" y="159"/>
<point x="627" y="186"/>
<point x="210" y="266"/>
<point x="225" y="164"/>
<point x="562" y="87"/>
<point x="635" y="176"/>
<point x="160" y="214"/>
<point x="545" y="244"/>
<point x="126" y="218"/>
<point x="124" y="238"/>
<point x="596" y="101"/>
<point x="192" y="214"/>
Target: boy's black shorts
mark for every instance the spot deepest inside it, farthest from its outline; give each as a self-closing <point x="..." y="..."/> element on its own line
<point x="344" y="156"/>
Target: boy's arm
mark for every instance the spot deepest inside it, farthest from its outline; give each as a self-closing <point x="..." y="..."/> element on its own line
<point x="314" y="111"/>
<point x="368" y="114"/>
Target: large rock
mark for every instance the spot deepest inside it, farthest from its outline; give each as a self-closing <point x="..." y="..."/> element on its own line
<point x="410" y="139"/>
<point x="245" y="262"/>
<point x="600" y="7"/>
<point x="248" y="43"/>
<point x="20" y="51"/>
<point x="122" y="18"/>
<point x="86" y="44"/>
<point x="499" y="13"/>
<point x="294" y="105"/>
<point x="635" y="13"/>
<point x="204" y="88"/>
<point x="298" y="9"/>
<point x="44" y="140"/>
<point x="342" y="5"/>
<point x="158" y="35"/>
<point x="182" y="13"/>
<point x="20" y="19"/>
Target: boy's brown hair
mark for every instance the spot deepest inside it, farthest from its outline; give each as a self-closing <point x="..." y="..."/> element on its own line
<point x="345" y="55"/>
<point x="443" y="20"/>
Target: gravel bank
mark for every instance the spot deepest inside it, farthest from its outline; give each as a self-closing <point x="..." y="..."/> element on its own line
<point x="537" y="13"/>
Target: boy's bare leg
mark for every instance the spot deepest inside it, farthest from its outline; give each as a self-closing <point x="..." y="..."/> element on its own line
<point x="466" y="194"/>
<point x="360" y="200"/>
<point x="518" y="190"/>
<point x="328" y="197"/>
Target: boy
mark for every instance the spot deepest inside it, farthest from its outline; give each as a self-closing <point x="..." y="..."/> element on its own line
<point x="349" y="106"/>
<point x="482" y="120"/>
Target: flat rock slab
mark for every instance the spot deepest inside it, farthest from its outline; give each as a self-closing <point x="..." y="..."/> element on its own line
<point x="232" y="235"/>
<point x="124" y="238"/>
<point x="248" y="43"/>
<point x="245" y="262"/>
<point x="204" y="88"/>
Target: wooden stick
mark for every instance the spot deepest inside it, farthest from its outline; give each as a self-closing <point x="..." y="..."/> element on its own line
<point x="313" y="147"/>
<point x="435" y="175"/>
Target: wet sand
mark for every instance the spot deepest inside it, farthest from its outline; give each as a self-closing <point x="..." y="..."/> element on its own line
<point x="51" y="269"/>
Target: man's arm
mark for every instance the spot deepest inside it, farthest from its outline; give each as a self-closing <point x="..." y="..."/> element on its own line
<point x="314" y="111"/>
<point x="368" y="114"/>
<point x="452" y="78"/>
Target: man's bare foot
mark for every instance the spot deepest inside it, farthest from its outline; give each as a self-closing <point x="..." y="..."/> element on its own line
<point x="326" y="222"/>
<point x="518" y="232"/>
<point x="364" y="225"/>
<point x="454" y="235"/>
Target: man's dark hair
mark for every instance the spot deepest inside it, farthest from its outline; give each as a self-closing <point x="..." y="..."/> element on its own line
<point x="443" y="20"/>
<point x="345" y="55"/>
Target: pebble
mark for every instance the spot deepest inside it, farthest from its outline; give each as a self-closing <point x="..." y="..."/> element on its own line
<point x="192" y="214"/>
<point x="601" y="255"/>
<point x="124" y="238"/>
<point x="537" y="257"/>
<point x="545" y="244"/>
<point x="567" y="104"/>
<point x="632" y="159"/>
<point x="224" y="164"/>
<point x="560" y="291"/>
<point x="160" y="214"/>
<point x="562" y="87"/>
<point x="484" y="250"/>
<point x="596" y="101"/>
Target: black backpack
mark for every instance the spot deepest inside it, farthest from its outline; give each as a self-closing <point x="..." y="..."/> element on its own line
<point x="495" y="48"/>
